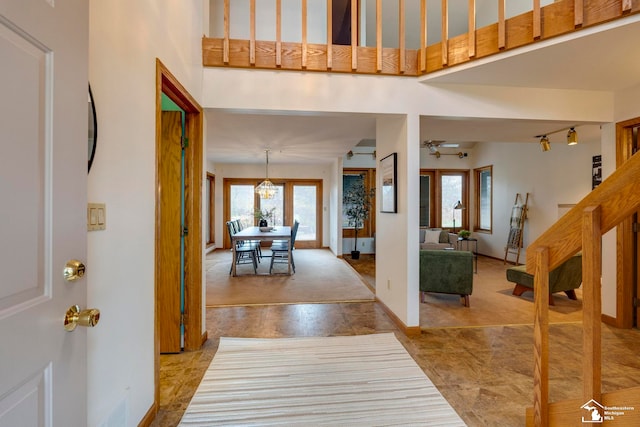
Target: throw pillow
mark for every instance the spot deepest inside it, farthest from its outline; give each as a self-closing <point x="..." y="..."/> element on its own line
<point x="432" y="236"/>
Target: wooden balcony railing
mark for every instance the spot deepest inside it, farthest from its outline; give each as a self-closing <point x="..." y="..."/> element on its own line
<point x="541" y="23"/>
<point x="580" y="229"/>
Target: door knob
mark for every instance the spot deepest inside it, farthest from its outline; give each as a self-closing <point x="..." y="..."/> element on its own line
<point x="74" y="317"/>
<point x="73" y="270"/>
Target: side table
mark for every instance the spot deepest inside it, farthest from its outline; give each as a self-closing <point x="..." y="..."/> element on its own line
<point x="463" y="244"/>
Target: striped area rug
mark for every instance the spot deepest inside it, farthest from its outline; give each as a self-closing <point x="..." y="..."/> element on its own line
<point x="363" y="380"/>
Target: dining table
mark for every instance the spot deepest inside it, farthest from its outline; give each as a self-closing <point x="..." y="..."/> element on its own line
<point x="281" y="232"/>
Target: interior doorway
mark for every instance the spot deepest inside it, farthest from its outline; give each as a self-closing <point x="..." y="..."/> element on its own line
<point x="628" y="237"/>
<point x="190" y="317"/>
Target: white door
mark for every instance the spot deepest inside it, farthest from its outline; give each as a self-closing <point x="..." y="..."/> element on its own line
<point x="43" y="184"/>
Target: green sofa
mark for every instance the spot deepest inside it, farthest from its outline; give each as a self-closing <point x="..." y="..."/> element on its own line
<point x="565" y="278"/>
<point x="446" y="271"/>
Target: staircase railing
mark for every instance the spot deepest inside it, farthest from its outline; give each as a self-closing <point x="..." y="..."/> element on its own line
<point x="540" y="23"/>
<point x="581" y="228"/>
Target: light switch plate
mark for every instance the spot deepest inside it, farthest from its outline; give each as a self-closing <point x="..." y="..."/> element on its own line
<point x="96" y="216"/>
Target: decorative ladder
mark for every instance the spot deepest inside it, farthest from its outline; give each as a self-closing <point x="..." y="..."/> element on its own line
<point x="516" y="227"/>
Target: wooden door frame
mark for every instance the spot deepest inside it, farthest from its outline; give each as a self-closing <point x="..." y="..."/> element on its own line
<point x="194" y="176"/>
<point x="625" y="262"/>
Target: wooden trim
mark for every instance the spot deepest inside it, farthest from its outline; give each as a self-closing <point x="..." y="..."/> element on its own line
<point x="150" y="416"/>
<point x="472" y="28"/>
<point x="409" y="331"/>
<point x="627" y="5"/>
<point x="211" y="188"/>
<point x="625" y="237"/>
<point x="476" y="204"/>
<point x="525" y="29"/>
<point x="166" y="83"/>
<point x="591" y="304"/>
<point x="329" y="34"/>
<point x="288" y="184"/>
<point x="609" y="320"/>
<point x="432" y="193"/>
<point x="541" y="338"/>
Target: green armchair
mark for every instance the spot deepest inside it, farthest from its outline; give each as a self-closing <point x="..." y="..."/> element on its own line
<point x="446" y="271"/>
<point x="565" y="278"/>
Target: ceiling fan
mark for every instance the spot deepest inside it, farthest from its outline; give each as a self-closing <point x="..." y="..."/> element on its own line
<point x="435" y="145"/>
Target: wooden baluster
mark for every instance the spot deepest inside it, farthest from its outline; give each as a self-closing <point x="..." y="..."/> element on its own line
<point x="445" y="33"/>
<point x="278" y="33"/>
<point x="578" y="13"/>
<point x="423" y="36"/>
<point x="541" y="338"/>
<point x="537" y="21"/>
<point x="626" y="6"/>
<point x="401" y="37"/>
<point x="252" y="32"/>
<point x="329" y="34"/>
<point x="225" y="41"/>
<point x="502" y="27"/>
<point x="304" y="34"/>
<point x="472" y="28"/>
<point x="379" y="36"/>
<point x="591" y="303"/>
<point x="354" y="34"/>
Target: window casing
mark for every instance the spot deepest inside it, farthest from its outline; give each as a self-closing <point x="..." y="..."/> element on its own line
<point x="368" y="176"/>
<point x="484" y="198"/>
<point x="446" y="187"/>
<point x="210" y="218"/>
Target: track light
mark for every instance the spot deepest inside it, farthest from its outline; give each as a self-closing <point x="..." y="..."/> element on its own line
<point x="544" y="143"/>
<point x="572" y="137"/>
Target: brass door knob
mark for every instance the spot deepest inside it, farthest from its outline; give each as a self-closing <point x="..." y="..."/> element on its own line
<point x="73" y="270"/>
<point x="74" y="317"/>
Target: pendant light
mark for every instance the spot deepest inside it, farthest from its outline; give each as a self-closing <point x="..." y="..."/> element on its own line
<point x="544" y="143"/>
<point x="266" y="189"/>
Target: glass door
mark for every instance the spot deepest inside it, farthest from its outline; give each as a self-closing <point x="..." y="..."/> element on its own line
<point x="305" y="210"/>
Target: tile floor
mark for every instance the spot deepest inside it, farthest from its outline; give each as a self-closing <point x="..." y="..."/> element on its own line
<point x="484" y="372"/>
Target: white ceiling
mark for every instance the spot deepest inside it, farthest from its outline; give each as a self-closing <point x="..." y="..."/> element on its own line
<point x="606" y="59"/>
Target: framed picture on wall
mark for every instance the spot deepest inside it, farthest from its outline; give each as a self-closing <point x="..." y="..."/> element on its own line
<point x="388" y="179"/>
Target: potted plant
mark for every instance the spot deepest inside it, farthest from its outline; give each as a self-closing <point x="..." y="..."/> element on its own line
<point x="264" y="216"/>
<point x="464" y="234"/>
<point x="356" y="203"/>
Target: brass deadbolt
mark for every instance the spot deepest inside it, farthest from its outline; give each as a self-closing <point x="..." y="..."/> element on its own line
<point x="74" y="317"/>
<point x="73" y="270"/>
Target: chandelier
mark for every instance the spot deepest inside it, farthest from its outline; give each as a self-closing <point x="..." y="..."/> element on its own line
<point x="266" y="189"/>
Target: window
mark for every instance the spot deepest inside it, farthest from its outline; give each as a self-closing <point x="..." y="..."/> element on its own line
<point x="296" y="199"/>
<point x="367" y="177"/>
<point x="210" y="203"/>
<point x="484" y="198"/>
<point x="427" y="187"/>
<point x="440" y="191"/>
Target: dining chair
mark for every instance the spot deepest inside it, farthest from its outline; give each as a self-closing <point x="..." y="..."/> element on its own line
<point x="245" y="252"/>
<point x="280" y="249"/>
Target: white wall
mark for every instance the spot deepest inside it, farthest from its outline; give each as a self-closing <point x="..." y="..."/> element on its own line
<point x="125" y="40"/>
<point x="559" y="176"/>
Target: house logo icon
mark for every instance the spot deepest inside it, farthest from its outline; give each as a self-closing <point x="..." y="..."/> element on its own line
<point x="592" y="412"/>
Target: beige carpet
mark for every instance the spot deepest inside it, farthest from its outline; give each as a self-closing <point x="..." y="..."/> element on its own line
<point x="361" y="380"/>
<point x="320" y="277"/>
